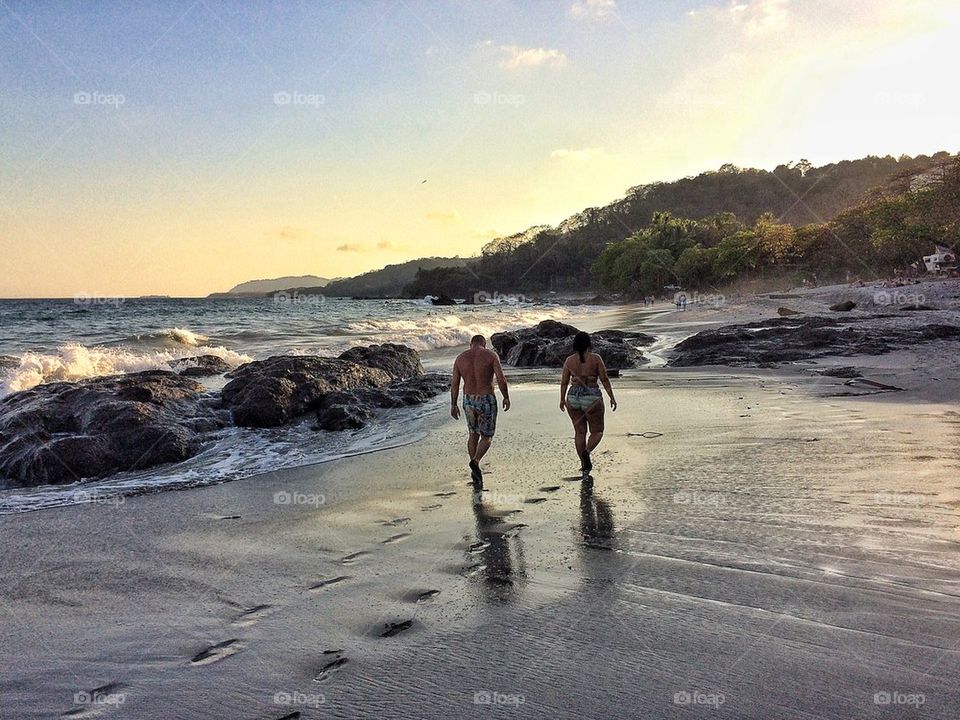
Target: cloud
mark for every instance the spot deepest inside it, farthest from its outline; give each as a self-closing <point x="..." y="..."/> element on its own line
<point x="754" y="18"/>
<point x="387" y="245"/>
<point x="578" y="155"/>
<point x="446" y="217"/>
<point x="350" y="247"/>
<point x="286" y="232"/>
<point x="594" y="9"/>
<point x="514" y="57"/>
<point x="489" y="234"/>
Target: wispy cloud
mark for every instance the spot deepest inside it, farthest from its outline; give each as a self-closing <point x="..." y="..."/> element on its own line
<point x="388" y="245"/>
<point x="594" y="9"/>
<point x="350" y="247"/>
<point x="755" y="18"/>
<point x="515" y="57"/>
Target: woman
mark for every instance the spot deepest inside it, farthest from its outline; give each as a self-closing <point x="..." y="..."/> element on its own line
<point x="583" y="402"/>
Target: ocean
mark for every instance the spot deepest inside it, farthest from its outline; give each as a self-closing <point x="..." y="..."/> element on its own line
<point x="45" y="341"/>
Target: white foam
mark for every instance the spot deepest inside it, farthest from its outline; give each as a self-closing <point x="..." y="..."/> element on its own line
<point x="74" y="362"/>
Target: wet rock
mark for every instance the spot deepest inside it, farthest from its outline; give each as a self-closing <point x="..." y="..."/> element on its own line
<point x="64" y="432"/>
<point x="792" y="339"/>
<point x="280" y="389"/>
<point x="786" y="312"/>
<point x="915" y="307"/>
<point x="352" y="409"/>
<point x="841" y="372"/>
<point x="7" y="362"/>
<point x="200" y="366"/>
<point x="444" y="299"/>
<point x="551" y="342"/>
<point x="845" y="306"/>
<point x="398" y="361"/>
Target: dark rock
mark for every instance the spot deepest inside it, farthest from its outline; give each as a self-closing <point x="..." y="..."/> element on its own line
<point x="845" y="306"/>
<point x="841" y="372"/>
<point x="278" y="390"/>
<point x="786" y="312"/>
<point x="551" y="342"/>
<point x="200" y="366"/>
<point x="398" y="361"/>
<point x="444" y="299"/>
<point x="792" y="339"/>
<point x="64" y="432"/>
<point x="917" y="307"/>
<point x="7" y="362"/>
<point x="351" y="409"/>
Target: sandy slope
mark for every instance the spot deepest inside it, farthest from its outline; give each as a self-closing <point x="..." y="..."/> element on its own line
<point x="771" y="554"/>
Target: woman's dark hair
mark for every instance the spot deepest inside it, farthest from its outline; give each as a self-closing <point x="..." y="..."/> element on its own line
<point x="582" y="343"/>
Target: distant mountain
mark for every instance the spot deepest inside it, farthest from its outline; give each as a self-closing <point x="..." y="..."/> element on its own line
<point x="262" y="287"/>
<point x="388" y="282"/>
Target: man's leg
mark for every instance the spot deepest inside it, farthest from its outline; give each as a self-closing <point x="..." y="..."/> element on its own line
<point x="482" y="447"/>
<point x="472" y="440"/>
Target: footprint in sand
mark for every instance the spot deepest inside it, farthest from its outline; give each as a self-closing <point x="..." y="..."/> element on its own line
<point x="472" y="570"/>
<point x="94" y="700"/>
<point x="391" y="629"/>
<point x="428" y="508"/>
<point x="353" y="557"/>
<point x="427" y="595"/>
<point x="217" y="652"/>
<point x="327" y="583"/>
<point x="534" y="500"/>
<point x="331" y="666"/>
<point x="448" y="493"/>
<point x="396" y="522"/>
<point x="549" y="488"/>
<point x="295" y="715"/>
<point x="478" y="547"/>
<point x="252" y="615"/>
<point x="400" y="537"/>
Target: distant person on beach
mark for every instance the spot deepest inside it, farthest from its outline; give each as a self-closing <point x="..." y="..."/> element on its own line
<point x="477" y="368"/>
<point x="583" y="401"/>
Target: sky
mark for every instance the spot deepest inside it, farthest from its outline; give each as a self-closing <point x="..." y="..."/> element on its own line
<point x="180" y="148"/>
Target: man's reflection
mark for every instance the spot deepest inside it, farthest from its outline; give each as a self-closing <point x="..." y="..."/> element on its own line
<point x="498" y="552"/>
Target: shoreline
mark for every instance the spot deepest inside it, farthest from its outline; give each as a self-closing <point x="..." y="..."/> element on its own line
<point x="689" y="552"/>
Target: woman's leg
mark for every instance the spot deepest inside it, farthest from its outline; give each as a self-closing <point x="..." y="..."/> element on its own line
<point x="579" y="429"/>
<point x="595" y="421"/>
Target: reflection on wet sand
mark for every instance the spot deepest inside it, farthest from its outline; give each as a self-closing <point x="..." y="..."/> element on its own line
<point x="596" y="520"/>
<point x="499" y="551"/>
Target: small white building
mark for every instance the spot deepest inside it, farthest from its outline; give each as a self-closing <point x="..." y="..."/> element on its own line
<point x="944" y="260"/>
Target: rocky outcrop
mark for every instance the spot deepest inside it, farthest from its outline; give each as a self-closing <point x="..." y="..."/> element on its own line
<point x="779" y="340"/>
<point x="353" y="409"/>
<point x="64" y="432"/>
<point x="551" y="342"/>
<point x="200" y="366"/>
<point x="444" y="299"/>
<point x="845" y="306"/>
<point x="278" y="390"/>
<point x="398" y="361"/>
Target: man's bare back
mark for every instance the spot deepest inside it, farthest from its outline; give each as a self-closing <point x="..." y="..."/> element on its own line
<point x="477" y="366"/>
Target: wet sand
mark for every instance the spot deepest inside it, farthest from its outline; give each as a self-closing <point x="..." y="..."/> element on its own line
<point x="761" y="552"/>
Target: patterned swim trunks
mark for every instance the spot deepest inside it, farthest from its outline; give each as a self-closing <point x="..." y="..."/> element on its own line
<point x="481" y="414"/>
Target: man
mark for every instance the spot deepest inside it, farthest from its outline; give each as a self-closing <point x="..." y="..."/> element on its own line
<point x="477" y="367"/>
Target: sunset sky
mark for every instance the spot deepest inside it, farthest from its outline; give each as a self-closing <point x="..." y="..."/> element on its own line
<point x="182" y="147"/>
